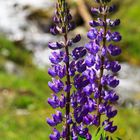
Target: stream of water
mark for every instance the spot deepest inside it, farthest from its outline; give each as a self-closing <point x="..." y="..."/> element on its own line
<point x="13" y="21"/>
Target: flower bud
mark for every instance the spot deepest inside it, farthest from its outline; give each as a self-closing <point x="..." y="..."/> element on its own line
<point x="76" y="39"/>
<point x="102" y="1"/>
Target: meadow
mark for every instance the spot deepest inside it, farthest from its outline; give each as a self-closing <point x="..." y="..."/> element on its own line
<point x="24" y="92"/>
<point x="23" y="115"/>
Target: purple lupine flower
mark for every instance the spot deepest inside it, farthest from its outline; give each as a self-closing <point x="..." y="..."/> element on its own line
<point x="114" y="50"/>
<point x="114" y="66"/>
<point x="51" y="122"/>
<point x="106" y="80"/>
<point x="55" y="45"/>
<point x="62" y="101"/>
<point x="57" y="70"/>
<point x="60" y="70"/>
<point x="108" y="36"/>
<point x="109" y="126"/>
<point x="116" y="36"/>
<point x="92" y="47"/>
<point x="56" y="119"/>
<point x="94" y="23"/>
<point x="110" y="96"/>
<point x="52" y="72"/>
<point x="80" y="81"/>
<point x="81" y="66"/>
<point x="66" y="65"/>
<point x="56" y="57"/>
<point x="114" y="23"/>
<point x="95" y="94"/>
<point x="54" y="101"/>
<point x="92" y="34"/>
<point x="91" y="105"/>
<point x="76" y="39"/>
<point x="112" y="81"/>
<point x="78" y="53"/>
<point x="55" y="135"/>
<point x="72" y="68"/>
<point x="89" y="60"/>
<point x="54" y="30"/>
<point x="56" y="85"/>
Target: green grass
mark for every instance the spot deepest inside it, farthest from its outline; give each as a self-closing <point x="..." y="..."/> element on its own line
<point x="128" y="123"/>
<point x="128" y="12"/>
<point x="16" y="53"/>
<point x="27" y="92"/>
<point x="24" y="127"/>
<point x="33" y="126"/>
<point x="32" y="84"/>
<point x="30" y="92"/>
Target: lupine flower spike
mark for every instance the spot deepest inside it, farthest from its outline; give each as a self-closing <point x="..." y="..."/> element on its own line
<point x="98" y="97"/>
<point x="89" y="69"/>
<point x="64" y="66"/>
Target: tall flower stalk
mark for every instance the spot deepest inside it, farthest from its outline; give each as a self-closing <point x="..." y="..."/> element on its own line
<point x="106" y="80"/>
<point x="98" y="97"/>
<point x="63" y="69"/>
<point x="91" y="71"/>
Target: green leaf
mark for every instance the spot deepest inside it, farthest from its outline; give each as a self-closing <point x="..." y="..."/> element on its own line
<point x="103" y="137"/>
<point x="81" y="138"/>
<point x="111" y="138"/>
<point x="119" y="138"/>
<point x="98" y="133"/>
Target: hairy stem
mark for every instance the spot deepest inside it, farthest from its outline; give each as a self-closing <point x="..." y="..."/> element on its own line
<point x="68" y="93"/>
<point x="102" y="68"/>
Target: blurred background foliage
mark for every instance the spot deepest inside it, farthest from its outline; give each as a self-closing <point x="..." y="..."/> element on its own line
<point x="23" y="84"/>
